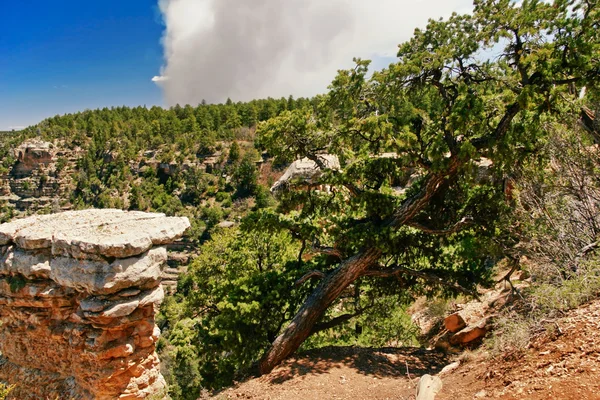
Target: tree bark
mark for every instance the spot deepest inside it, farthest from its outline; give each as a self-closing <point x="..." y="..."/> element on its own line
<point x="315" y="306"/>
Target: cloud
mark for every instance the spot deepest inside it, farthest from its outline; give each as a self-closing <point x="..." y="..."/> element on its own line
<point x="245" y="49"/>
<point x="16" y="128"/>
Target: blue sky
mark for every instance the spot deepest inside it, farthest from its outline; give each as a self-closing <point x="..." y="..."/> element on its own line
<point x="65" y="56"/>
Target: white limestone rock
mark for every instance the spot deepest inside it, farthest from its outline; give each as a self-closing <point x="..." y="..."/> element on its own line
<point x="30" y="265"/>
<point x="102" y="277"/>
<point x="306" y="170"/>
<point x="91" y="234"/>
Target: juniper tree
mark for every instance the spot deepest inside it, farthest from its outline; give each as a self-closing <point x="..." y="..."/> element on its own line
<point x="407" y="204"/>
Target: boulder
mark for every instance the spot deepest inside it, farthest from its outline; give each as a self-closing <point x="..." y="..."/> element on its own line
<point x="470" y="334"/>
<point x="92" y="234"/>
<point x="306" y="170"/>
<point x="428" y="387"/>
<point x="102" y="277"/>
<point x="454" y="322"/>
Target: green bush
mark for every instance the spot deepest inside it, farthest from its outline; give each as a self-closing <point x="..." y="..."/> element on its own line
<point x="222" y="196"/>
<point x="231" y="304"/>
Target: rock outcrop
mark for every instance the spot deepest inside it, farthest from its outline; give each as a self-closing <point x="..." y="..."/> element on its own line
<point x="40" y="177"/>
<point x="306" y="171"/>
<point x="79" y="292"/>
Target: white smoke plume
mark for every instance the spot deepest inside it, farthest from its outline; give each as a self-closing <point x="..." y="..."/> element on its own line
<point x="246" y="49"/>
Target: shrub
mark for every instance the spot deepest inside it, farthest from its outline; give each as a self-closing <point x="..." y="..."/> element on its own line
<point x="222" y="196"/>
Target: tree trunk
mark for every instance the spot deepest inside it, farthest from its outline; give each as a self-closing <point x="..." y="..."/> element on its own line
<point x="315" y="306"/>
<point x="337" y="281"/>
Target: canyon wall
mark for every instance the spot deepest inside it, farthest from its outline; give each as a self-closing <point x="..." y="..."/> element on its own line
<point x="79" y="292"/>
<point x="40" y="178"/>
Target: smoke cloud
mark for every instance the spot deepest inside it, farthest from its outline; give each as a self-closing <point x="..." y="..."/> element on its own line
<point x="246" y="49"/>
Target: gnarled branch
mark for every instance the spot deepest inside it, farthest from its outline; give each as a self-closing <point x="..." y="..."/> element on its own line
<point x="310" y="275"/>
<point x="328" y="251"/>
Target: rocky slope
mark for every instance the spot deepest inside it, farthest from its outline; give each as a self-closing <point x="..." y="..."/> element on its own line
<point x="78" y="295"/>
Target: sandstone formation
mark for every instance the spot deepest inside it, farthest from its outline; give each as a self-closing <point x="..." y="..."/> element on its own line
<point x="454" y="322"/>
<point x="79" y="292"/>
<point x="471" y="333"/>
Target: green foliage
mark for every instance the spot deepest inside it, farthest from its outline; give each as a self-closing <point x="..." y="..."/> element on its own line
<point x="413" y="200"/>
<point x="122" y="144"/>
<point x="16" y="282"/>
<point x="558" y="195"/>
<point x="385" y="324"/>
<point x="231" y="304"/>
<point x="245" y="176"/>
<point x="234" y="153"/>
<point x="543" y="303"/>
<point x="6" y="213"/>
<point x="263" y="197"/>
<point x="212" y="216"/>
<point x="575" y="289"/>
<point x="222" y="196"/>
<point x="409" y="139"/>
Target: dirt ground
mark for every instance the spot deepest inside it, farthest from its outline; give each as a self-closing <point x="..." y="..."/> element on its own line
<point x="564" y="366"/>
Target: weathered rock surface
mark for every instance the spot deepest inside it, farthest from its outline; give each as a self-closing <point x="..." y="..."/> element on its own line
<point x="428" y="387"/>
<point x="78" y="295"/>
<point x="471" y="333"/>
<point x="454" y="322"/>
<point x="306" y="170"/>
<point x="40" y="177"/>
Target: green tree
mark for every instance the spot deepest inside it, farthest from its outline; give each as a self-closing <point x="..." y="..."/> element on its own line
<point x="234" y="153"/>
<point x="238" y="293"/>
<point x="438" y="110"/>
<point x="245" y="176"/>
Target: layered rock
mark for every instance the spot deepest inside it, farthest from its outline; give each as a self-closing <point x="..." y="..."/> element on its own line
<point x="39" y="178"/>
<point x="79" y="292"/>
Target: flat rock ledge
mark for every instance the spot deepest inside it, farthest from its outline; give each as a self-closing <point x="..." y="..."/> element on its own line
<point x="79" y="292"/>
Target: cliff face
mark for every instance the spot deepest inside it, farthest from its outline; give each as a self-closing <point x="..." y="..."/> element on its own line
<point x="37" y="179"/>
<point x="78" y="295"/>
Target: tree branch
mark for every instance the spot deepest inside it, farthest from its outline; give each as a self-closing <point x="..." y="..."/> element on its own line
<point x="328" y="251"/>
<point x="337" y="321"/>
<point x="310" y="275"/>
<point x="428" y="276"/>
<point x="588" y="120"/>
<point x="354" y="190"/>
<point x="501" y="128"/>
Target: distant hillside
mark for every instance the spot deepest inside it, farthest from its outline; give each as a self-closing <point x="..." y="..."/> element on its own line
<point x="180" y="161"/>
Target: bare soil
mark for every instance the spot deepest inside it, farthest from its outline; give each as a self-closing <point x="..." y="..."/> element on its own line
<point x="563" y="365"/>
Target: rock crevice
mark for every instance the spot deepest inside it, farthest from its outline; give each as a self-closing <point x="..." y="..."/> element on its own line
<point x="79" y="292"/>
